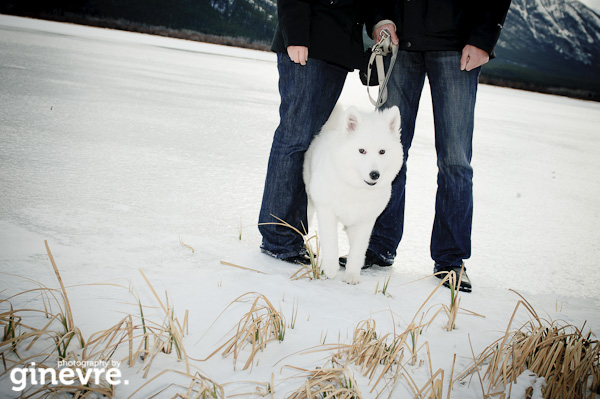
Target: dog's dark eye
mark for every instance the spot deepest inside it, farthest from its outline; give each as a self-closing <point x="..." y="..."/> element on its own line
<point x="362" y="151"/>
<point x="381" y="152"/>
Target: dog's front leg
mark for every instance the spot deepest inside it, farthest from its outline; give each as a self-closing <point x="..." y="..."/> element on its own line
<point x="358" y="238"/>
<point x="328" y="241"/>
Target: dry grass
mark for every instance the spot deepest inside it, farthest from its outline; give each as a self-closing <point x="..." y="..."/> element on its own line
<point x="566" y="358"/>
<point x="51" y="335"/>
<point x="563" y="355"/>
<point x="335" y="381"/>
<point x="183" y="244"/>
<point x="452" y="309"/>
<point x="257" y="327"/>
<point x="166" y="336"/>
<point x="383" y="359"/>
<point x="313" y="270"/>
<point x="384" y="287"/>
<point x="56" y="339"/>
<point x="380" y="358"/>
<point x="369" y="351"/>
<point x="136" y="338"/>
<point x="241" y="267"/>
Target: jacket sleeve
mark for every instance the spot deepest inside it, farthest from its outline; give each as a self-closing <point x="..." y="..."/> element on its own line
<point x="375" y="11"/>
<point x="490" y="17"/>
<point x="294" y="22"/>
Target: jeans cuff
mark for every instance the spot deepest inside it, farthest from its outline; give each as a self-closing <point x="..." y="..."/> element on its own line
<point x="282" y="255"/>
<point x="440" y="268"/>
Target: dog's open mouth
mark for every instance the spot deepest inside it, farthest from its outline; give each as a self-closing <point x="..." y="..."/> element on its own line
<point x="371" y="183"/>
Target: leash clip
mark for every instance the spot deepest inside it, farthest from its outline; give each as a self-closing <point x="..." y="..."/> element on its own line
<point x="384" y="45"/>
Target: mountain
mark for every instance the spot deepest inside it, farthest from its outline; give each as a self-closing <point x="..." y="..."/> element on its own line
<point x="552" y="45"/>
<point x="546" y="45"/>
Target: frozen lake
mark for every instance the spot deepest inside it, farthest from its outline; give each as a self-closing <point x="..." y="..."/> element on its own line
<point x="118" y="141"/>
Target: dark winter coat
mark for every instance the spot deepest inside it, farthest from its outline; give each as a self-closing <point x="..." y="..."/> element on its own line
<point x="329" y="28"/>
<point x="429" y="25"/>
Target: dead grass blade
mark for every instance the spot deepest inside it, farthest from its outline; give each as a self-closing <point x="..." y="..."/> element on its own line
<point x="71" y="331"/>
<point x="241" y="267"/>
<point x="183" y="244"/>
<point x="168" y="338"/>
<point x="257" y="327"/>
<point x="69" y="313"/>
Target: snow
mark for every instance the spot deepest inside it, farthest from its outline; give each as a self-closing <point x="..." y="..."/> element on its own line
<point x="524" y="381"/>
<point x="593" y="4"/>
<point x="118" y="147"/>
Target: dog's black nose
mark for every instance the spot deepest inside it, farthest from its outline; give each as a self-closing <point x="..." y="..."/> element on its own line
<point x="374" y="175"/>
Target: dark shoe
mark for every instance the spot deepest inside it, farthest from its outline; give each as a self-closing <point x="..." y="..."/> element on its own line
<point x="465" y="283"/>
<point x="371" y="259"/>
<point x="298" y="259"/>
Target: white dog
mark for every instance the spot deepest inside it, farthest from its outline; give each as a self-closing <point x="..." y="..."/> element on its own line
<point x="348" y="172"/>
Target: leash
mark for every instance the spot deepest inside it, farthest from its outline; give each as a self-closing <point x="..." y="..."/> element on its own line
<point x="381" y="49"/>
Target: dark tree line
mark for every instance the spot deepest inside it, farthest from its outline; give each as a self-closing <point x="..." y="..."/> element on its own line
<point x="254" y="22"/>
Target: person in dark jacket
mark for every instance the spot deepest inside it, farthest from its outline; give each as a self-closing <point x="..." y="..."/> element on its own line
<point x="447" y="41"/>
<point x="317" y="43"/>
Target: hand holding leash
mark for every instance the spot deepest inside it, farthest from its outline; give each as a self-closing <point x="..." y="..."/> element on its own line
<point x="391" y="30"/>
<point x="381" y="49"/>
<point x="384" y="45"/>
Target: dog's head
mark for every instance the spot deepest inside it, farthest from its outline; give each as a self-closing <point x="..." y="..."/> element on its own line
<point x="371" y="150"/>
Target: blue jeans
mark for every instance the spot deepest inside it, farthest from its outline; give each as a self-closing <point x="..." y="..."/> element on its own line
<point x="308" y="95"/>
<point x="453" y="94"/>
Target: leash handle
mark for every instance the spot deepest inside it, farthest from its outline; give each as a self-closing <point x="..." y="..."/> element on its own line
<point x="382" y="48"/>
<point x="383" y="92"/>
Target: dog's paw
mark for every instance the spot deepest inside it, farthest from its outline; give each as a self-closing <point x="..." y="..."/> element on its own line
<point x="352" y="278"/>
<point x="330" y="272"/>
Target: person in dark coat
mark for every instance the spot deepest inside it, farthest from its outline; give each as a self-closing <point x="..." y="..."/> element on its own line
<point x="317" y="43"/>
<point x="447" y="41"/>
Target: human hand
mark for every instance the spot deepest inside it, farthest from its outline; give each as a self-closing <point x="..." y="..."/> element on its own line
<point x="390" y="28"/>
<point x="473" y="57"/>
<point x="298" y="54"/>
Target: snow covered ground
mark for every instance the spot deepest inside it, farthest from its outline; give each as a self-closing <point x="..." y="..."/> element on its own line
<point x="116" y="147"/>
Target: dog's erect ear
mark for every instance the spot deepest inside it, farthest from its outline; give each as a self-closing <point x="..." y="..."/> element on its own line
<point x="351" y="119"/>
<point x="393" y="118"/>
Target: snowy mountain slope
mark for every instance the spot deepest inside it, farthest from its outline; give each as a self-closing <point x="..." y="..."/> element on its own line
<point x="568" y="28"/>
<point x="551" y="42"/>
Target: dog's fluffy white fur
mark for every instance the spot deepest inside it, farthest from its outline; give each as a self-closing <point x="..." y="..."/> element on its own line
<point x="348" y="172"/>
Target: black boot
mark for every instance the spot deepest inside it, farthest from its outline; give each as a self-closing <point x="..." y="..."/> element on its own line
<point x="370" y="259"/>
<point x="465" y="283"/>
<point x="302" y="259"/>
